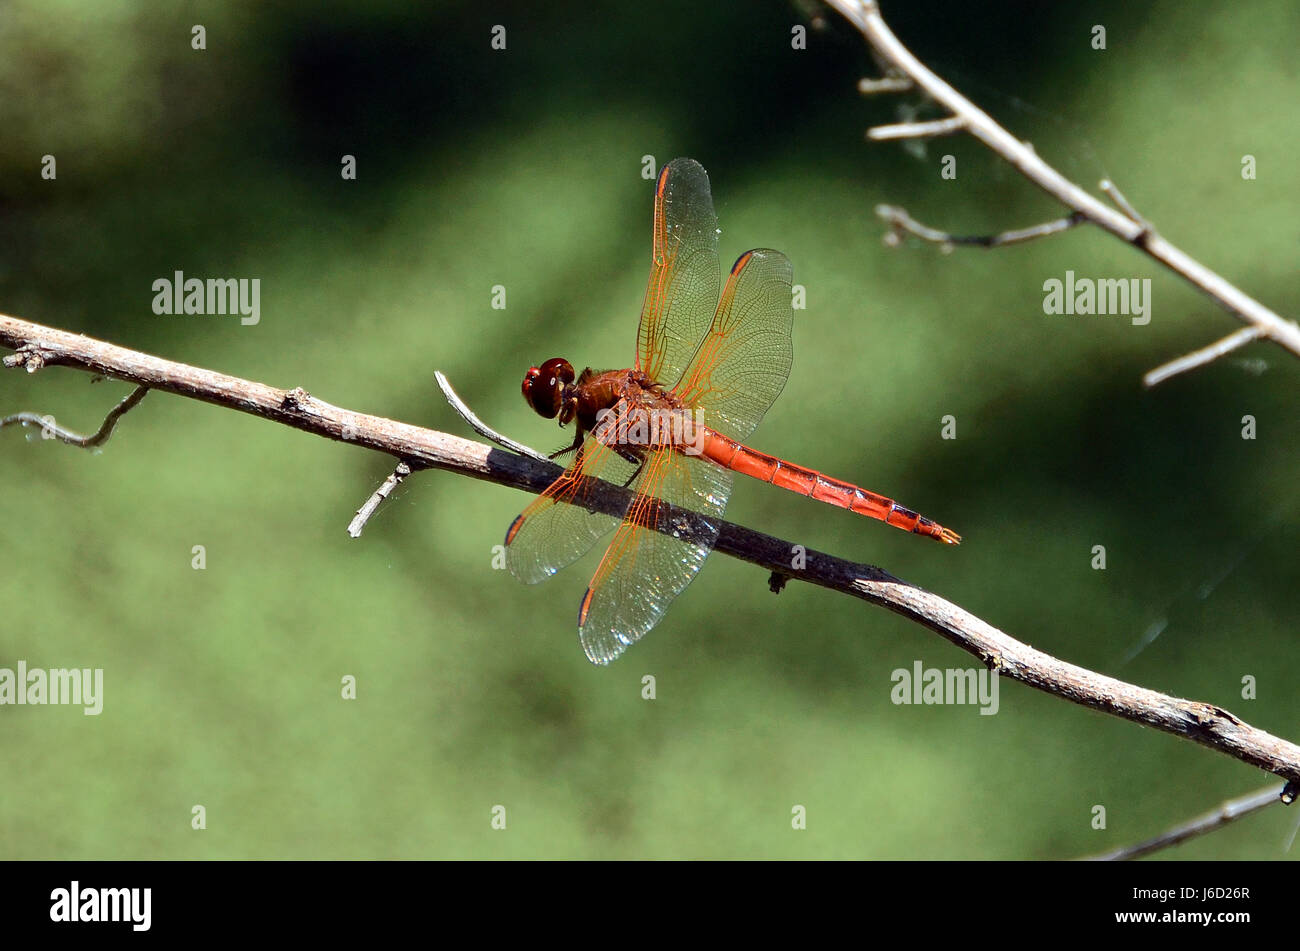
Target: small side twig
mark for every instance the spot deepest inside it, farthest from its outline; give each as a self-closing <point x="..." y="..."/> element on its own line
<point x="480" y="427"/>
<point x="1115" y="195"/>
<point x="901" y="223"/>
<point x="917" y="130"/>
<point x="394" y="479"/>
<point x="98" y="438"/>
<point x="889" y="84"/>
<point x="1197" y="358"/>
<point x="1226" y="812"/>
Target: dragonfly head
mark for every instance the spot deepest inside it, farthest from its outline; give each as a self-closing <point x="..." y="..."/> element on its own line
<point x="545" y="388"/>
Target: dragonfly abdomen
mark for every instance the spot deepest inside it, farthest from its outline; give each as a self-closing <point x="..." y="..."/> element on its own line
<point x="740" y="458"/>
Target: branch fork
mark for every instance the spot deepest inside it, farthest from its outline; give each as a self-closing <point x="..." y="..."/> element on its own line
<point x="905" y="72"/>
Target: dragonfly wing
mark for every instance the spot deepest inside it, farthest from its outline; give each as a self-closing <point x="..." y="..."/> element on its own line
<point x="556" y="529"/>
<point x="684" y="275"/>
<point x="644" y="569"/>
<point x="743" y="361"/>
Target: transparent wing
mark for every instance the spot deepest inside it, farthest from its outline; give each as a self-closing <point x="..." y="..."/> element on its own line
<point x="556" y="529"/>
<point x="744" y="360"/>
<point x="643" y="569"/>
<point x="684" y="274"/>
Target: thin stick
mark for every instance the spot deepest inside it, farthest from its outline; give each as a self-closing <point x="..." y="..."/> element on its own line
<point x="1202" y="723"/>
<point x="48" y="425"/>
<point x="480" y="427"/>
<point x="901" y="223"/>
<point x="872" y="87"/>
<point x="1197" y="358"/>
<point x="1114" y="194"/>
<point x="917" y="130"/>
<point x="1217" y="818"/>
<point x="1126" y="225"/>
<point x="394" y="479"/>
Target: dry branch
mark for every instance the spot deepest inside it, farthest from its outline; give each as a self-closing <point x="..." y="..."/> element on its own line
<point x="53" y="430"/>
<point x="1216" y="818"/>
<point x="37" y="346"/>
<point x="917" y="130"/>
<point x="368" y="508"/>
<point x="1207" y="354"/>
<point x="901" y="223"/>
<point x="1125" y="224"/>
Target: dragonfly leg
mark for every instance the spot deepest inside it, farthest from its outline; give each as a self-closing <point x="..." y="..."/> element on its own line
<point x="577" y="444"/>
<point x="640" y="464"/>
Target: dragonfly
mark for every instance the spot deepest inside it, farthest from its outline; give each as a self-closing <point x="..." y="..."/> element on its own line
<point x="672" y="428"/>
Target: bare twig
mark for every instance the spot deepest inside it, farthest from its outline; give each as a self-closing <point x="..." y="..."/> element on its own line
<point x="48" y="425"/>
<point x="1115" y="195"/>
<point x="872" y="87"/>
<point x="1217" y="818"/>
<point x="1234" y="340"/>
<point x="480" y="427"/>
<point x="901" y="223"/>
<point x="1126" y="224"/>
<point x="394" y="479"/>
<point x="1203" y="723"/>
<point x="917" y="130"/>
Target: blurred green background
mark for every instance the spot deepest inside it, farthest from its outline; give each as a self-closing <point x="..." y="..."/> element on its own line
<point x="523" y="168"/>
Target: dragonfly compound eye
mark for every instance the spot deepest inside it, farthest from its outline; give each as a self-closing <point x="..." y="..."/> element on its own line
<point x="543" y="386"/>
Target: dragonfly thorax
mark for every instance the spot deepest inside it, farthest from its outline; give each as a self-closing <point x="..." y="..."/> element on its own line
<point x="619" y="391"/>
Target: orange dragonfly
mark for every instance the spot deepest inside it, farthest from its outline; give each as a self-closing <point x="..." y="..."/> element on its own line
<point x="672" y="427"/>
